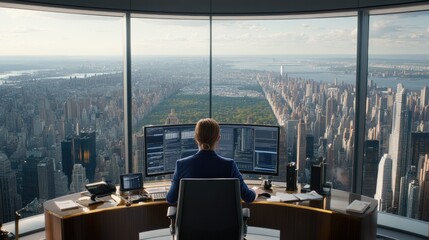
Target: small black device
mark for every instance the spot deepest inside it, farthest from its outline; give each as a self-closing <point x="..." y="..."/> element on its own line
<point x="138" y="198"/>
<point x="291" y="177"/>
<point x="131" y="182"/>
<point x="100" y="189"/>
<point x="267" y="184"/>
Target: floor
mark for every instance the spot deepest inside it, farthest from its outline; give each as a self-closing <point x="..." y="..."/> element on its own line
<point x="253" y="233"/>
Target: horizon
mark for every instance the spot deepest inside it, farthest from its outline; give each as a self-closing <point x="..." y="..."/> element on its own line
<point x="217" y="55"/>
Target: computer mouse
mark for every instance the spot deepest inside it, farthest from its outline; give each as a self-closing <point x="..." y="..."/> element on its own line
<point x="265" y="194"/>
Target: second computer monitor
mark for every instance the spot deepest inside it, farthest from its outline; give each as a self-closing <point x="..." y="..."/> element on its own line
<point x="254" y="148"/>
<point x="131" y="182"/>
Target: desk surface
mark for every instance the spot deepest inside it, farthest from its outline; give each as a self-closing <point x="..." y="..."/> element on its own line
<point x="336" y="202"/>
<point x="328" y="218"/>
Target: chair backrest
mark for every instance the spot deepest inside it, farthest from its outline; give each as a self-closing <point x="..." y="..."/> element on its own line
<point x="209" y="208"/>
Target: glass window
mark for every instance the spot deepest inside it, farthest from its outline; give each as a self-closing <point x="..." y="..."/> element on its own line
<point x="170" y="75"/>
<point x="396" y="164"/>
<point x="61" y="106"/>
<point x="297" y="73"/>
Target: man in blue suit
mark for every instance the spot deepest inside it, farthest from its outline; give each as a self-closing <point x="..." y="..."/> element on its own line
<point x="206" y="163"/>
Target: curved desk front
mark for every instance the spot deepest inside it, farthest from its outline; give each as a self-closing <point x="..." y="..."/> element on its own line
<point x="321" y="219"/>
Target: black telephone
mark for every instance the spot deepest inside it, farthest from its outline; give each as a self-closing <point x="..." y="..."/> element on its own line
<point x="100" y="189"/>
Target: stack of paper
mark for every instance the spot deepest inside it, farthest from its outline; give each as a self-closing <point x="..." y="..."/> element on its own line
<point x="286" y="197"/>
<point x="290" y="197"/>
<point x="66" y="205"/>
<point x="313" y="195"/>
<point x="273" y="199"/>
<point x="358" y="206"/>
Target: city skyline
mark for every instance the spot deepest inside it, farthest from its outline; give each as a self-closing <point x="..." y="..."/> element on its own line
<point x="94" y="102"/>
<point x="48" y="101"/>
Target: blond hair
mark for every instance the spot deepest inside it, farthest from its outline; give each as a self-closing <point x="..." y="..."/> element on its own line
<point x="207" y="132"/>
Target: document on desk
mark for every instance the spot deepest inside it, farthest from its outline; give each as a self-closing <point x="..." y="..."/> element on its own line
<point x="66" y="205"/>
<point x="273" y="199"/>
<point x="358" y="206"/>
<point x="313" y="195"/>
<point x="286" y="197"/>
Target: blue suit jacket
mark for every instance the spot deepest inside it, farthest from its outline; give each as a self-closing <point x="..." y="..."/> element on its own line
<point x="206" y="164"/>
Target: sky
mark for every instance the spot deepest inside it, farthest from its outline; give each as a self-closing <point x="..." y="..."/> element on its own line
<point x="28" y="32"/>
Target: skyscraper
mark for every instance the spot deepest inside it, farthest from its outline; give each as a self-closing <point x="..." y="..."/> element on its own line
<point x="67" y="158"/>
<point x="45" y="175"/>
<point x="308" y="89"/>
<point x="282" y="70"/>
<point x="172" y="118"/>
<point x="423" y="212"/>
<point x="30" y="186"/>
<point x="291" y="132"/>
<point x="10" y="201"/>
<point x="399" y="144"/>
<point x="79" y="149"/>
<point x="139" y="152"/>
<point x="85" y="152"/>
<point x="383" y="192"/>
<point x="419" y="146"/>
<point x="413" y="199"/>
<point x="114" y="169"/>
<point x="424" y="97"/>
<point x="301" y="148"/>
<point x="61" y="183"/>
<point x="79" y="179"/>
<point x="309" y="146"/>
<point x="329" y="110"/>
<point x="370" y="167"/>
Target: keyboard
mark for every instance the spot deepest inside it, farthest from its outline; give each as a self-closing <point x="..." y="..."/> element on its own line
<point x="156" y="184"/>
<point x="158" y="193"/>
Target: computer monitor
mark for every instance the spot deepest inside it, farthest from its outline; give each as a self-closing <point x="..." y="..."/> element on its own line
<point x="131" y="182"/>
<point x="254" y="148"/>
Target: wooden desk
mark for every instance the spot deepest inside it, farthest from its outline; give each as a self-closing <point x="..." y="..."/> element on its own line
<point x="319" y="219"/>
<point x="294" y="220"/>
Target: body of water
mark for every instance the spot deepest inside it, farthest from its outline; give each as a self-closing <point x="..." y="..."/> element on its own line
<point x="318" y="69"/>
<point x="78" y="75"/>
<point x="6" y="75"/>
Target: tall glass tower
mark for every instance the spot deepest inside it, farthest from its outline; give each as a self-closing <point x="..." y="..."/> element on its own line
<point x="10" y="201"/>
<point x="383" y="192"/>
<point x="399" y="144"/>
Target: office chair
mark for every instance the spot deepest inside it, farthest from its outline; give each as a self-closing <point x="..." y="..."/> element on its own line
<point x="208" y="209"/>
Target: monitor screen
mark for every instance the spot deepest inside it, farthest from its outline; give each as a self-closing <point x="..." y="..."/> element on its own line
<point x="254" y="148"/>
<point x="131" y="181"/>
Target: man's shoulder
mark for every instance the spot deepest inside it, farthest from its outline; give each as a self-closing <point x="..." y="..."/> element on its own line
<point x="225" y="158"/>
